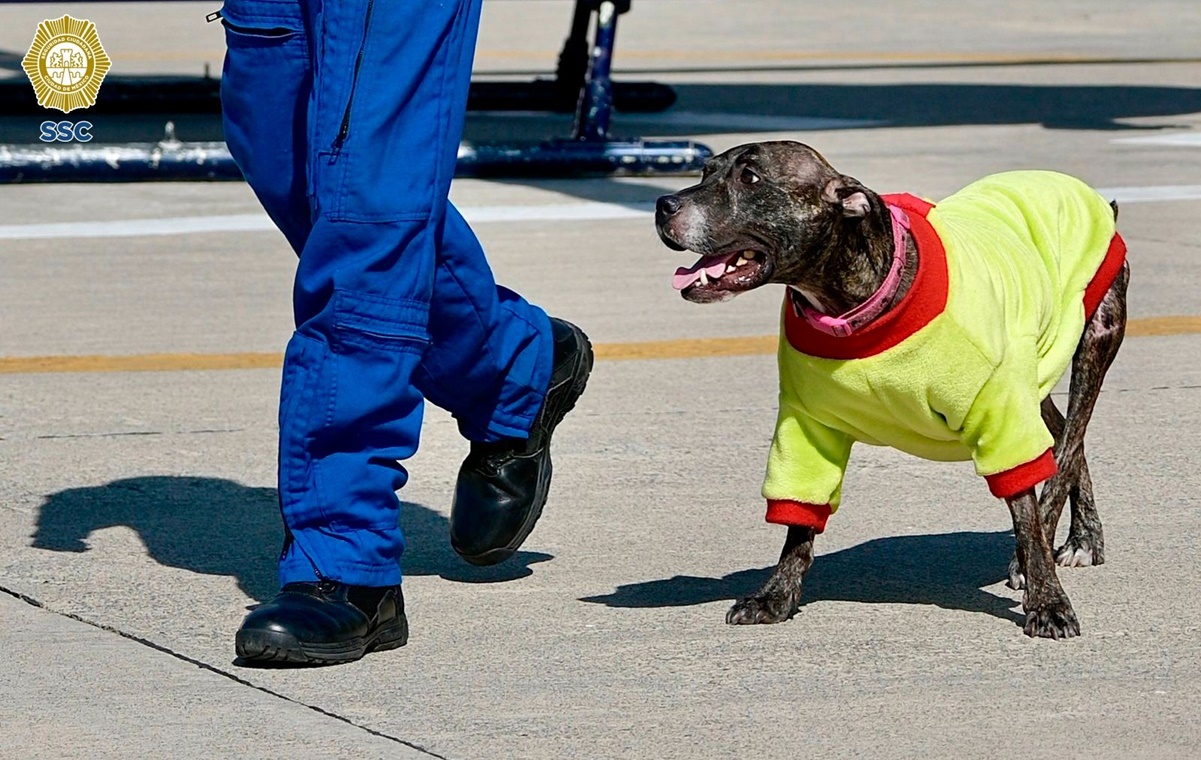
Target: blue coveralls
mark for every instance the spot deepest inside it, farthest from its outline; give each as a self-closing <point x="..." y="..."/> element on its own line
<point x="345" y="117"/>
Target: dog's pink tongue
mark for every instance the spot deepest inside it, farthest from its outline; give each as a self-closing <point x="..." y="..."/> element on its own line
<point x="714" y="268"/>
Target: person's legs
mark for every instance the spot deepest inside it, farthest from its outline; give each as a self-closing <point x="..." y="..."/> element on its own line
<point x="357" y="179"/>
<point x="387" y="87"/>
<point x="392" y="298"/>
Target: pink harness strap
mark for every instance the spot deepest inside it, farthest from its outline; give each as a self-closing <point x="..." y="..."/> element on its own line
<point x="845" y="324"/>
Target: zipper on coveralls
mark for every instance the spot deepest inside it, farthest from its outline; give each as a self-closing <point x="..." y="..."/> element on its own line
<point x="213" y="16"/>
<point x="344" y="129"/>
<point x="289" y="540"/>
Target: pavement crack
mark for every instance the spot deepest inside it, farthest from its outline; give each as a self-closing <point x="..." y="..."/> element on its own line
<point x="56" y="436"/>
<point x="121" y="434"/>
<point x="213" y="669"/>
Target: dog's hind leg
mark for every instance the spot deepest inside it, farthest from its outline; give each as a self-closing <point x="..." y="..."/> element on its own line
<point x="1055" y="492"/>
<point x="1095" y="353"/>
<point x="780" y="597"/>
<point x="1079" y="491"/>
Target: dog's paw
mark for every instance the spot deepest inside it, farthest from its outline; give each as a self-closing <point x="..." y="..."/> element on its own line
<point x="1056" y="620"/>
<point x="1015" y="578"/>
<point x="1079" y="552"/>
<point x="762" y="608"/>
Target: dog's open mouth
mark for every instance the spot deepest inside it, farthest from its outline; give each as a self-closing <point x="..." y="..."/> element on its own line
<point x="722" y="276"/>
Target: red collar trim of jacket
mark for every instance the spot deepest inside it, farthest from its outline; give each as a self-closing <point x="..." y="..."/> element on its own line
<point x="925" y="300"/>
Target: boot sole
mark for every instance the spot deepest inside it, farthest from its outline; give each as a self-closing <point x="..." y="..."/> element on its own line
<point x="266" y="647"/>
<point x="554" y="415"/>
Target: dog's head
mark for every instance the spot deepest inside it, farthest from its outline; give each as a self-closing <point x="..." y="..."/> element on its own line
<point x="762" y="213"/>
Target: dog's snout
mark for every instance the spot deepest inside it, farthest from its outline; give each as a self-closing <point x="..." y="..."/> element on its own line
<point x="668" y="222"/>
<point x="667" y="205"/>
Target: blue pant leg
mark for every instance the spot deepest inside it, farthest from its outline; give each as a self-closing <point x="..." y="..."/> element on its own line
<point x="265" y="89"/>
<point x="490" y="355"/>
<point x="390" y="82"/>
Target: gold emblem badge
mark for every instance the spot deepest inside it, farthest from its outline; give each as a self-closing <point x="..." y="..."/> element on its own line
<point x="66" y="64"/>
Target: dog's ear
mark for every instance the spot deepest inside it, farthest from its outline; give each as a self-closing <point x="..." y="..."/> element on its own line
<point x="847" y="193"/>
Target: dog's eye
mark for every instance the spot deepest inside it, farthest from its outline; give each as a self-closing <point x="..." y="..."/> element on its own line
<point x="748" y="177"/>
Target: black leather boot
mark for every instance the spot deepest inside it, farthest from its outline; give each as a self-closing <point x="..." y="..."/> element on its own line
<point x="323" y="623"/>
<point x="503" y="485"/>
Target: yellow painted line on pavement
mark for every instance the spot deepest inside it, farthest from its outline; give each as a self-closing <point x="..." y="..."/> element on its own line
<point x="687" y="348"/>
<point x="24" y="365"/>
<point x="1153" y="326"/>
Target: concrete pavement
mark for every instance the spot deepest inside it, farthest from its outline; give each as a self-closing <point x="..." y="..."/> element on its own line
<point x="71" y="689"/>
<point x="143" y="502"/>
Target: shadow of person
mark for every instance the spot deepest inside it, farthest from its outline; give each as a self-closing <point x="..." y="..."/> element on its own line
<point x="220" y="527"/>
<point x="947" y="570"/>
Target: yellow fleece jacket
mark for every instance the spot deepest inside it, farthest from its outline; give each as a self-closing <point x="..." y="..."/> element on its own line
<point x="1010" y="268"/>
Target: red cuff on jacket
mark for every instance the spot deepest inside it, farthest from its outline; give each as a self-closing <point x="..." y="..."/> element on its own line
<point x="1013" y="481"/>
<point x="798" y="513"/>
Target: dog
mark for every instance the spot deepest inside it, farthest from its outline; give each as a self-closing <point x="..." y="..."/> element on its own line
<point x="938" y="329"/>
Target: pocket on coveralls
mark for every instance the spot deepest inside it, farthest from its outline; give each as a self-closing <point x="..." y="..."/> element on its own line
<point x="264" y="101"/>
<point x="369" y="321"/>
<point x="262" y="23"/>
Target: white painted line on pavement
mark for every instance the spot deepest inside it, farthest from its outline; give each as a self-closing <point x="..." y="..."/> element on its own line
<point x="745" y="122"/>
<point x="553" y="212"/>
<point x="560" y="212"/>
<point x="138" y="227"/>
<point x="718" y="121"/>
<point x="1185" y="139"/>
<point x="1152" y="194"/>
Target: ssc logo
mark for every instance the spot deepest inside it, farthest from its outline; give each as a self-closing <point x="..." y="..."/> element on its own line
<point x="66" y="131"/>
<point x="66" y="64"/>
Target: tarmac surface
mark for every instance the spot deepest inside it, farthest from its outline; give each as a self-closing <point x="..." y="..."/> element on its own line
<point x="138" y="519"/>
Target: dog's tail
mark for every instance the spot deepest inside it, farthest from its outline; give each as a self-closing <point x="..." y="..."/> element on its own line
<point x="1114" y="205"/>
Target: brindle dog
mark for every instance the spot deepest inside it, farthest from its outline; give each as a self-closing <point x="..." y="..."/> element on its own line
<point x="800" y="222"/>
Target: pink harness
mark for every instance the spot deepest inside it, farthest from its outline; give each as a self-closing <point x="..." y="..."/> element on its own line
<point x="845" y="324"/>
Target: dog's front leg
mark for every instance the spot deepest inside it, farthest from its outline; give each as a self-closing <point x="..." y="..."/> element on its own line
<point x="1049" y="614"/>
<point x="780" y="597"/>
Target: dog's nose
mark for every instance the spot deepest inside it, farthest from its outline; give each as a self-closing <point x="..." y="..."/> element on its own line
<point x="667" y="205"/>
